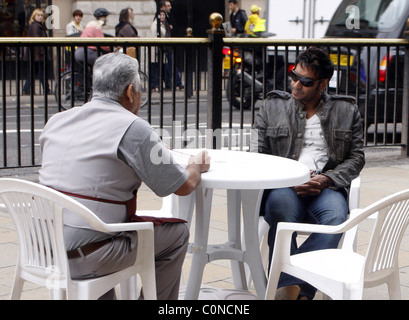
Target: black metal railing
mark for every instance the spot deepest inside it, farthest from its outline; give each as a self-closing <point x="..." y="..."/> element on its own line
<point x="217" y="106"/>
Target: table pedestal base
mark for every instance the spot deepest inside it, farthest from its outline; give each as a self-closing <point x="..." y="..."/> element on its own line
<point x="237" y="200"/>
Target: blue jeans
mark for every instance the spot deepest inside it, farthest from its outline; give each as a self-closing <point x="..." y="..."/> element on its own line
<point x="283" y="205"/>
<point x="169" y="74"/>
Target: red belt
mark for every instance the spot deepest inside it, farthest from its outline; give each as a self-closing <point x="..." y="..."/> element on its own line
<point x="130" y="204"/>
<point x="130" y="209"/>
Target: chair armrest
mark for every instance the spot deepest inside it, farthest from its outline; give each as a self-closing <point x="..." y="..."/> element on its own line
<point x="128" y="226"/>
<point x="309" y="228"/>
<point x="354" y="193"/>
<point x="3" y="208"/>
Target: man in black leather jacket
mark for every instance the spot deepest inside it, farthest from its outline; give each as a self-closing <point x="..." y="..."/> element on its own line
<point x="238" y="18"/>
<point x="325" y="133"/>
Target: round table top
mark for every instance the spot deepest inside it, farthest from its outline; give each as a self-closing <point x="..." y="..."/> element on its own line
<point x="247" y="170"/>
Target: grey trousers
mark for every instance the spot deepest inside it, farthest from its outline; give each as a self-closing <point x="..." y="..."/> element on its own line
<point x="171" y="241"/>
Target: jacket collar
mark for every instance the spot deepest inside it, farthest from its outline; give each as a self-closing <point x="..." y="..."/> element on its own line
<point x="322" y="104"/>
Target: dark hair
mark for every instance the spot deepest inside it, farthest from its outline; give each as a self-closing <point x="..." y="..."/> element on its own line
<point x="77" y="13"/>
<point x="124" y="15"/>
<point x="318" y="60"/>
<point x="234" y="1"/>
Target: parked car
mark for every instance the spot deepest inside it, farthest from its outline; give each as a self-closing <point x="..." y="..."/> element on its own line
<point x="383" y="76"/>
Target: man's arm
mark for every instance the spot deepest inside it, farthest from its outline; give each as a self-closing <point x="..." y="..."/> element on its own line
<point x="197" y="165"/>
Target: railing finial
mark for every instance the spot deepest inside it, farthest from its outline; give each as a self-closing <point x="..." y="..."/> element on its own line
<point x="216" y="20"/>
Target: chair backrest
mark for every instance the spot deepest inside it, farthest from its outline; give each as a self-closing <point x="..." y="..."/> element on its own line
<point x="37" y="212"/>
<point x="391" y="223"/>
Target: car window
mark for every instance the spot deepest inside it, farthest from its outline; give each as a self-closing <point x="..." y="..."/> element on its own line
<point x="391" y="14"/>
<point x="375" y="15"/>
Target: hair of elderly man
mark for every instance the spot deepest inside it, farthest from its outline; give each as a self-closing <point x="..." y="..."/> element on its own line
<point x="113" y="73"/>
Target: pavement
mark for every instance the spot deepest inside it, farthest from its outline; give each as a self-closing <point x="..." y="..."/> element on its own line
<point x="386" y="172"/>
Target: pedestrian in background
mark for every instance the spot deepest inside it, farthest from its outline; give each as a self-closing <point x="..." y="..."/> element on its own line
<point x="75" y="25"/>
<point x="166" y="7"/>
<point x="255" y="26"/>
<point x="94" y="30"/>
<point x="238" y="18"/>
<point x="125" y="28"/>
<point x="37" y="29"/>
<point x="155" y="51"/>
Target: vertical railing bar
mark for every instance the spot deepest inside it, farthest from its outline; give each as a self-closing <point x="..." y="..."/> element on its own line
<point x="150" y="74"/>
<point x="242" y="53"/>
<point x="198" y="84"/>
<point x="72" y="74"/>
<point x="378" y="54"/>
<point x="85" y="74"/>
<point x="347" y="84"/>
<point x="161" y="54"/>
<point x="57" y="85"/>
<point x="18" y="106"/>
<point x="395" y="96"/>
<point x="46" y="87"/>
<point x="32" y="91"/>
<point x="187" y="88"/>
<point x="368" y="73"/>
<point x="3" y="71"/>
<point x="385" y="106"/>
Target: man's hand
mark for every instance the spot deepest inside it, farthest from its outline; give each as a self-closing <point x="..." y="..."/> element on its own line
<point x="314" y="186"/>
<point x="202" y="159"/>
<point x="197" y="165"/>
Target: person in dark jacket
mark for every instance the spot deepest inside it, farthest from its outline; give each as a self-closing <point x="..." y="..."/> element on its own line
<point x="238" y="18"/>
<point x="37" y="29"/>
<point x="325" y="133"/>
<point x="125" y="28"/>
<point x="166" y="7"/>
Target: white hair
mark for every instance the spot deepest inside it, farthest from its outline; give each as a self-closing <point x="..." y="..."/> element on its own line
<point x="113" y="73"/>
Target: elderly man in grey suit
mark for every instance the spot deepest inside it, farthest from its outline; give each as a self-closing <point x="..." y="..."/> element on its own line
<point x="100" y="154"/>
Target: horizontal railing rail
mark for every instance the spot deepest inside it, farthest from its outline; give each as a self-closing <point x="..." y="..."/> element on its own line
<point x="219" y="93"/>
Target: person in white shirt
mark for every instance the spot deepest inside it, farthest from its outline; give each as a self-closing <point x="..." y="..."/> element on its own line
<point x="75" y="25"/>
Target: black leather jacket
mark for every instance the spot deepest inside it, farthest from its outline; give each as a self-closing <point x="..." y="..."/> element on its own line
<point x="280" y="127"/>
<point x="238" y="21"/>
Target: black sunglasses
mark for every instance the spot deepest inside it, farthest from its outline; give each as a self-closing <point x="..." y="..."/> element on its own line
<point x="306" y="82"/>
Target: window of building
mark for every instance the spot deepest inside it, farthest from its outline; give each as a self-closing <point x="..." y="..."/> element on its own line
<point x="14" y="16"/>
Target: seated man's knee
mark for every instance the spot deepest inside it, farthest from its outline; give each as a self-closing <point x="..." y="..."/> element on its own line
<point x="281" y="205"/>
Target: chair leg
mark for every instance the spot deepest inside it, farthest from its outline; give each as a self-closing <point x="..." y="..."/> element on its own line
<point x="58" y="294"/>
<point x="129" y="289"/>
<point x="149" y="286"/>
<point x="394" y="286"/>
<point x="17" y="287"/>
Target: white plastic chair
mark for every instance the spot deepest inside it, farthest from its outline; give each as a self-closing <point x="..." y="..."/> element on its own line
<point x="37" y="212"/>
<point x="342" y="273"/>
<point x="263" y="228"/>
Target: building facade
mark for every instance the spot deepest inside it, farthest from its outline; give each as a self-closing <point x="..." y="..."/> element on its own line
<point x="14" y="14"/>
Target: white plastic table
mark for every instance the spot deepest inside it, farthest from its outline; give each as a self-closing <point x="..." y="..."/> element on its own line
<point x="244" y="175"/>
